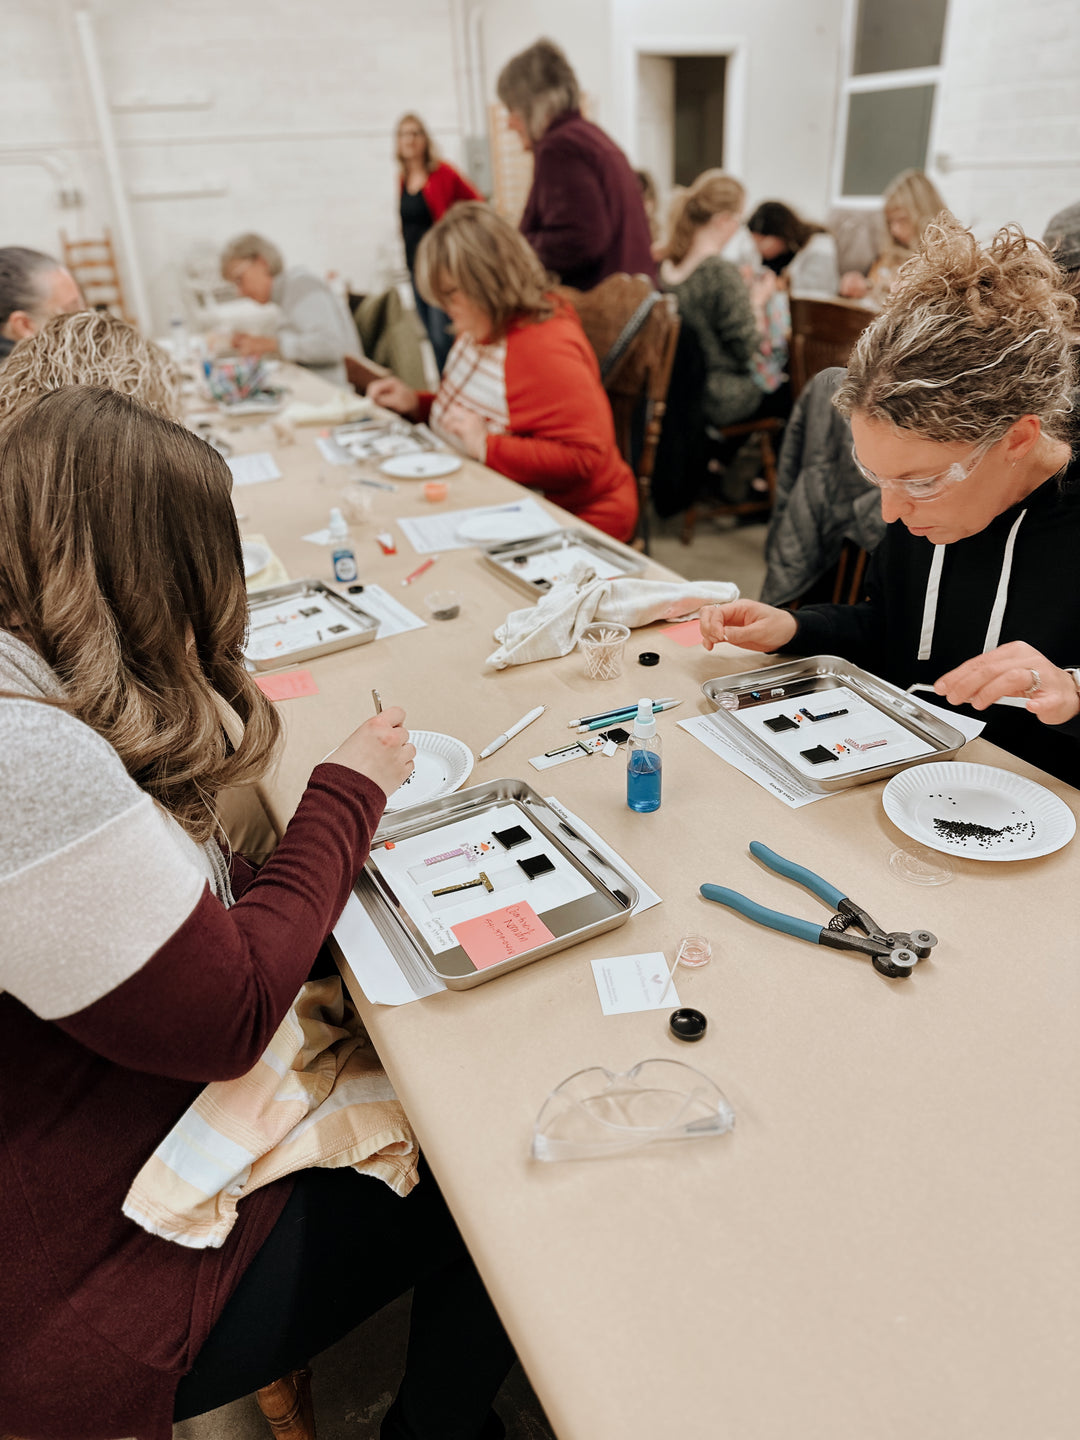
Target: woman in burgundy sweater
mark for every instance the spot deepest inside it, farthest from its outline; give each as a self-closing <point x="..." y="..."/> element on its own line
<point x="521" y="391"/>
<point x="585" y="215"/>
<point x="138" y="964"/>
<point x="429" y="186"/>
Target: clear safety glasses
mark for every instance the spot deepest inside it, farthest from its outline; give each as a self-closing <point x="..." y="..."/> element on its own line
<point x="928" y="487"/>
<point x="596" y="1112"/>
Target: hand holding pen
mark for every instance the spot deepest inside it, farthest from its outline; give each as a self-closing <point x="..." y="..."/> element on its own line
<point x="379" y="749"/>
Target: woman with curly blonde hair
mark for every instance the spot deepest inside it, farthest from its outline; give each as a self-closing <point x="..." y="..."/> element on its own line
<point x="91" y="348"/>
<point x="961" y="398"/>
<point x="140" y="960"/>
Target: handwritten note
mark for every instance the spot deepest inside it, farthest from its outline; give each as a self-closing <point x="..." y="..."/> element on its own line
<point x="502" y="934"/>
<point x="686" y="633"/>
<point x="287" y="684"/>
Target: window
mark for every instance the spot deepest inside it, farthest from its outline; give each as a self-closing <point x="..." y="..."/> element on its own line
<point x="888" y="93"/>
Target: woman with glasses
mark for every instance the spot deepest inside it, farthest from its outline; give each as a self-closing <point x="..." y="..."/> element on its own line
<point x="961" y="397"/>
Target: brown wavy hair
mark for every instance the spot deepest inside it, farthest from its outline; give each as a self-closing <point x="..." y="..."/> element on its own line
<point x="120" y="565"/>
<point x="476" y="251"/>
<point x="971" y="338"/>
<point x="90" y="348"/>
<point x="714" y="192"/>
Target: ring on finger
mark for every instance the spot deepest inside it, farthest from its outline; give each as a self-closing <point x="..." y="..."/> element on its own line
<point x="1036" y="683"/>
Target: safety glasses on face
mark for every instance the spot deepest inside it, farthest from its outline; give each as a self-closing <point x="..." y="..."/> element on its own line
<point x="928" y="487"/>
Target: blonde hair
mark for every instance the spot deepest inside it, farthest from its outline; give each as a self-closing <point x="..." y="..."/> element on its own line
<point x="539" y="84"/>
<point x="971" y="338"/>
<point x="90" y="348"/>
<point x="250" y="246"/>
<point x="431" y="150"/>
<point x="714" y="192"/>
<point x="120" y="565"/>
<point x="919" y="199"/>
<point x="476" y="251"/>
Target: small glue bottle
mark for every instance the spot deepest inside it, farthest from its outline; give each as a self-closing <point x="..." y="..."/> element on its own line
<point x="343" y="556"/>
<point x="644" y="759"/>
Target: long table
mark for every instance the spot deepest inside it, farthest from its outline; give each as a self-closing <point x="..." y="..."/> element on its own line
<point x="885" y="1247"/>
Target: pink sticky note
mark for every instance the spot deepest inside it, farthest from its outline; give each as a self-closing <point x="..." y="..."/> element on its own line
<point x="287" y="684"/>
<point x="501" y="934"/>
<point x="687" y="633"/>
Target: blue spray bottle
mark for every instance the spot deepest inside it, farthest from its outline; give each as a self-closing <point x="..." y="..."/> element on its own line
<point x="644" y="759"/>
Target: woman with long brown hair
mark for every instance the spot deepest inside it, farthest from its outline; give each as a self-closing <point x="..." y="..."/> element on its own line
<point x="428" y="187"/>
<point x="140" y="960"/>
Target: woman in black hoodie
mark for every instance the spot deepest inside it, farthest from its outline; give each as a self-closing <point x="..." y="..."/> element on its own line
<point x="960" y="396"/>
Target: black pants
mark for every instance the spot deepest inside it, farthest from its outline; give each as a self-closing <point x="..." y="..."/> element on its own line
<point x="344" y="1246"/>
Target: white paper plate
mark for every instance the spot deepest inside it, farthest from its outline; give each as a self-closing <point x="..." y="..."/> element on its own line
<point x="442" y="764"/>
<point x="256" y="557"/>
<point x="498" y="526"/>
<point x="1016" y="819"/>
<point x="425" y="466"/>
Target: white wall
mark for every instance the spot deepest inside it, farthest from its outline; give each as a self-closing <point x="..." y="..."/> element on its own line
<point x="654" y="148"/>
<point x="781" y="140"/>
<point x="297" y="132"/>
<point x="1007" y="127"/>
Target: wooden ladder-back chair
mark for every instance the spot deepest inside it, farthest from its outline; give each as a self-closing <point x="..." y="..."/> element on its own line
<point x="93" y="266"/>
<point x="633" y="328"/>
<point x="286" y="1404"/>
<point x="823" y="333"/>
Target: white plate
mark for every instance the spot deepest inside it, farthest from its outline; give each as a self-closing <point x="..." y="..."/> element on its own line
<point x="506" y="525"/>
<point x="1017" y="819"/>
<point x="442" y="764"/>
<point x="256" y="557"/>
<point x="421" y="467"/>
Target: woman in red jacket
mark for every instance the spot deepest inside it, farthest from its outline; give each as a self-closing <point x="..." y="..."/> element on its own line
<point x="521" y="390"/>
<point x="429" y="186"/>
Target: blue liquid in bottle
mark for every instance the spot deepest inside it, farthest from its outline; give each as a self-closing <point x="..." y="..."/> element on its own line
<point x="643" y="772"/>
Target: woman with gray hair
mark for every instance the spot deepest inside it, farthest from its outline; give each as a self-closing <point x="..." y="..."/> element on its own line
<point x="961" y="399"/>
<point x="316" y="330"/>
<point x="584" y="217"/>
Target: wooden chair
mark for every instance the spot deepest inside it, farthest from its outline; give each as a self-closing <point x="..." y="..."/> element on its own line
<point x="634" y="329"/>
<point x="823" y="333"/>
<point x="93" y="266"/>
<point x="287" y="1405"/>
<point x="767" y="427"/>
<point x="360" y="373"/>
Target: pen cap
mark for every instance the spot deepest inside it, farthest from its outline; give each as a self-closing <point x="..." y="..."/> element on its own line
<point x="645" y="722"/>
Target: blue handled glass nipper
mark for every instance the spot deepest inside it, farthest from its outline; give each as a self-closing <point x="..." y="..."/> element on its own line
<point x="892" y="952"/>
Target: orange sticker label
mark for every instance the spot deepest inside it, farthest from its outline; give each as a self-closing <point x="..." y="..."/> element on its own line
<point x="686" y="633"/>
<point x="287" y="684"/>
<point x="502" y="934"/>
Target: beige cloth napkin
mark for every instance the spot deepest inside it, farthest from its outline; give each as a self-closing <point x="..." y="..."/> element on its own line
<point x="552" y="626"/>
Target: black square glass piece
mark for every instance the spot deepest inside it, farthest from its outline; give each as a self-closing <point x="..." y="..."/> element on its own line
<point x="818" y="755"/>
<point x="779" y="723"/>
<point x="516" y="835"/>
<point x="537" y="865"/>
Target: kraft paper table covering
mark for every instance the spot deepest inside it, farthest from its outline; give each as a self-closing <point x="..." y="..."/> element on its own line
<point x="885" y="1247"/>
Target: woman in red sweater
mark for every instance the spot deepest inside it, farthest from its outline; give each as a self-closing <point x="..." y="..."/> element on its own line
<point x="429" y="186"/>
<point x="138" y="964"/>
<point x="521" y="391"/>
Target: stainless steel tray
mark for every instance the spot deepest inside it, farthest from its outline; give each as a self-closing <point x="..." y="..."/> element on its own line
<point x="609" y="902"/>
<point x="816" y="674"/>
<point x="275" y="612"/>
<point x="532" y="565"/>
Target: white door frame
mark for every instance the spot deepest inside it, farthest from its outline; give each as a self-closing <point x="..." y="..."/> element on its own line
<point x="735" y="48"/>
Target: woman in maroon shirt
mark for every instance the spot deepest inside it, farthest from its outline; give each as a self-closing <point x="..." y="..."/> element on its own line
<point x="137" y="965"/>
